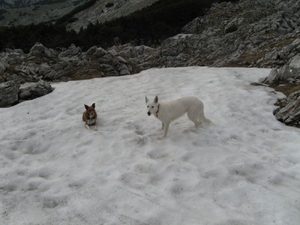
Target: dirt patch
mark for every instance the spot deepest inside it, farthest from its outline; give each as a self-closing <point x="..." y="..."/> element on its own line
<point x="286" y="88"/>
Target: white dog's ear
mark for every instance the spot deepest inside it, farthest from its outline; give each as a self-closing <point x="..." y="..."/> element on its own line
<point x="146" y="99"/>
<point x="156" y="99"/>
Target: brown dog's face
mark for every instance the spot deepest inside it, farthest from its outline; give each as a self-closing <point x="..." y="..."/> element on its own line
<point x="90" y="111"/>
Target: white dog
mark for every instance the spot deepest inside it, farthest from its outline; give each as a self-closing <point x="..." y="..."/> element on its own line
<point x="169" y="111"/>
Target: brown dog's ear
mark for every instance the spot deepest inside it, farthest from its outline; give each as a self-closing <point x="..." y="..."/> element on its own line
<point x="146" y="99"/>
<point x="86" y="107"/>
<point x="156" y="99"/>
<point x="93" y="106"/>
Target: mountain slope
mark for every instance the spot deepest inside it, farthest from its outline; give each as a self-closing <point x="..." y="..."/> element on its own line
<point x="27" y="12"/>
<point x="107" y="10"/>
<point x="36" y="12"/>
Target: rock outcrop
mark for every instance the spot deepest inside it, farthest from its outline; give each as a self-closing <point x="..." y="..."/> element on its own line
<point x="9" y="93"/>
<point x="289" y="112"/>
<point x="42" y="64"/>
<point x="68" y="64"/>
<point x="286" y="79"/>
<point x="35" y="90"/>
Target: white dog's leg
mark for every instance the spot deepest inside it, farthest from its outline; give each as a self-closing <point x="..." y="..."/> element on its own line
<point x="166" y="125"/>
<point x="194" y="117"/>
<point x="162" y="126"/>
<point x="194" y="120"/>
<point x="95" y="126"/>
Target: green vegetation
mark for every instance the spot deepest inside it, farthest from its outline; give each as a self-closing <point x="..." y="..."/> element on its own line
<point x="49" y="2"/>
<point x="23" y="14"/>
<point x="151" y="25"/>
<point x="2" y="12"/>
<point x="110" y="4"/>
<point x="25" y="37"/>
<point x="35" y="8"/>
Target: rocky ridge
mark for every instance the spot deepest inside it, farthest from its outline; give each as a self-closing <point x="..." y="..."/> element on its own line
<point x="248" y="33"/>
<point x="67" y="64"/>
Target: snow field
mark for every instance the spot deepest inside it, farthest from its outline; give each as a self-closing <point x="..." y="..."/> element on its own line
<point x="243" y="169"/>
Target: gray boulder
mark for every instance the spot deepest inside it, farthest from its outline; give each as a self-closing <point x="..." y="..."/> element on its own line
<point x="12" y="57"/>
<point x="3" y="66"/>
<point x="108" y="70"/>
<point x="123" y="70"/>
<point x="295" y="65"/>
<point x="39" y="50"/>
<point x="9" y="93"/>
<point x="284" y="73"/>
<point x="100" y="52"/>
<point x="36" y="90"/>
<point x="71" y="51"/>
<point x="44" y="69"/>
<point x="27" y="71"/>
<point x="290" y="113"/>
<point x="272" y="78"/>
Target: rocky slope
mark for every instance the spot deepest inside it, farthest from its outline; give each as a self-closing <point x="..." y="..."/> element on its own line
<point x="248" y="33"/>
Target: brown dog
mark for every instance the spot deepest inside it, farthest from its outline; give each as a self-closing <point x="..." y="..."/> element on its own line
<point x="90" y="116"/>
